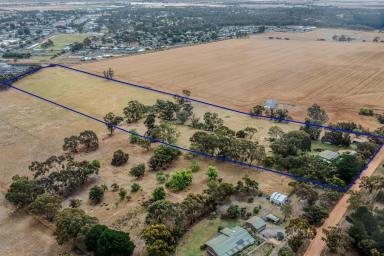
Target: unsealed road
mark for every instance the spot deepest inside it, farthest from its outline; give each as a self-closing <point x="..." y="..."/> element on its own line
<point x="337" y="214"/>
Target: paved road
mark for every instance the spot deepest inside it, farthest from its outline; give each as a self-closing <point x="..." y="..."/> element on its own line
<point x="337" y="214"/>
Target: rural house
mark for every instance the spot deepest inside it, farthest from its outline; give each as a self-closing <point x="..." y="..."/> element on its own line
<point x="255" y="223"/>
<point x="229" y="242"/>
<point x="278" y="198"/>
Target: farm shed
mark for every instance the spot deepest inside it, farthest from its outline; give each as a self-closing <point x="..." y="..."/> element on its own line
<point x="229" y="242"/>
<point x="278" y="198"/>
<point x="328" y="155"/>
<point x="255" y="223"/>
<point x="270" y="104"/>
<point x="272" y="218"/>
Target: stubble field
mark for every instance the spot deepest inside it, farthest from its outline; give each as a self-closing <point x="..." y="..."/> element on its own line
<point x="341" y="77"/>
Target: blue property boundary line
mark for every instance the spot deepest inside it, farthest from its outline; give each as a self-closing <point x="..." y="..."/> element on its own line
<point x="299" y="178"/>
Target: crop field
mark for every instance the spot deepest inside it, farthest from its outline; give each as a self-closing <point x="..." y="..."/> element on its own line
<point x="341" y="77"/>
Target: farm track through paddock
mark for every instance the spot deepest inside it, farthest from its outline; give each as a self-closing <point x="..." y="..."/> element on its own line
<point x="341" y="77"/>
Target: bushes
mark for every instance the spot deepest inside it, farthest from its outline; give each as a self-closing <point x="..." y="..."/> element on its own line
<point x="380" y="118"/>
<point x="104" y="241"/>
<point x="135" y="187"/>
<point x="158" y="193"/>
<point x="138" y="170"/>
<point x="96" y="194"/>
<point x="119" y="158"/>
<point x="163" y="157"/>
<point x="194" y="166"/>
<point x="180" y="180"/>
<point x="366" y="112"/>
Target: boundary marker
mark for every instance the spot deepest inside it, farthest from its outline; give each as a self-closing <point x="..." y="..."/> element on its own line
<point x="299" y="178"/>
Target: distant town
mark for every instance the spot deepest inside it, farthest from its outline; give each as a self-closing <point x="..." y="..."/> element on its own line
<point x="93" y="33"/>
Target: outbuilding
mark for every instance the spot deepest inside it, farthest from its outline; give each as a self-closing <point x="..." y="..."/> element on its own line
<point x="255" y="223"/>
<point x="270" y="104"/>
<point x="272" y="218"/>
<point x="328" y="155"/>
<point x="278" y="198"/>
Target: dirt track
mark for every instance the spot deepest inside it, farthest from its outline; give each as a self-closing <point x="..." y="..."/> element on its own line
<point x="337" y="214"/>
<point x="342" y="77"/>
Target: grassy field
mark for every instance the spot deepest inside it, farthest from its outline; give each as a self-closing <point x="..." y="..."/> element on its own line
<point x="62" y="40"/>
<point x="200" y="234"/>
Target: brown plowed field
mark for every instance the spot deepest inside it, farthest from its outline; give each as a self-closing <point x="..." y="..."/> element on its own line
<point x="341" y="77"/>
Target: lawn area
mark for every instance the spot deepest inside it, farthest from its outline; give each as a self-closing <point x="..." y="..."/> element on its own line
<point x="62" y="40"/>
<point x="201" y="233"/>
<point x="320" y="145"/>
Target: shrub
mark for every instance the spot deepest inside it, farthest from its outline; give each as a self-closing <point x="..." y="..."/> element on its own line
<point x="138" y="170"/>
<point x="380" y="196"/>
<point x="380" y="118"/>
<point x="180" y="180"/>
<point x="74" y="203"/>
<point x="366" y="112"/>
<point x="163" y="157"/>
<point x="256" y="210"/>
<point x="114" y="187"/>
<point x="133" y="138"/>
<point x="119" y="158"/>
<point x="251" y="200"/>
<point x="212" y="173"/>
<point x="135" y="187"/>
<point x="122" y="193"/>
<point x="158" y="193"/>
<point x="96" y="194"/>
<point x="160" y="177"/>
<point x="233" y="212"/>
<point x="194" y="166"/>
<point x="96" y="163"/>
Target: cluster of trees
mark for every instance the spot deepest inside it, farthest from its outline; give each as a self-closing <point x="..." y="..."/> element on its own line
<point x="47" y="44"/>
<point x="279" y="114"/>
<point x="73" y="225"/>
<point x="290" y="150"/>
<point x="87" y="139"/>
<point x="365" y="230"/>
<point x="58" y="175"/>
<point x="16" y="55"/>
<point x="162" y="157"/>
<point x="315" y="211"/>
<point x="224" y="143"/>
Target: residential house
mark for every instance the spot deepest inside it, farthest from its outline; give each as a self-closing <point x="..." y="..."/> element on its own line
<point x="229" y="242"/>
